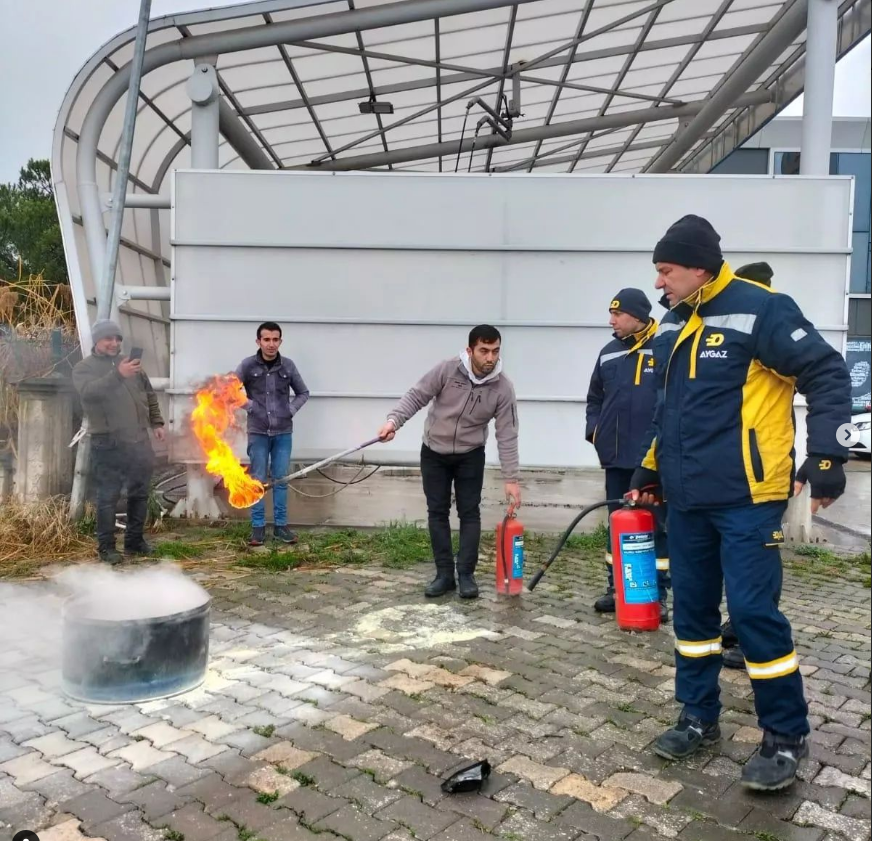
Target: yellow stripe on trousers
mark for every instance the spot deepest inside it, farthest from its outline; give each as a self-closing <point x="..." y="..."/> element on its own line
<point x="774" y="668"/>
<point x="699" y="648"/>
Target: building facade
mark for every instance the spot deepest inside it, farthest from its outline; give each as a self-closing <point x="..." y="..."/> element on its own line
<point x="774" y="150"/>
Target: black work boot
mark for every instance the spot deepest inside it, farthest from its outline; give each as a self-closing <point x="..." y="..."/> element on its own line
<point x="734" y="658"/>
<point x="284" y="535"/>
<point x="687" y="737"/>
<point x="139" y="547"/>
<point x="258" y="535"/>
<point x="110" y="555"/>
<point x="776" y="762"/>
<point x="729" y="637"/>
<point x="467" y="586"/>
<point x="443" y="583"/>
<point x="664" y="611"/>
<point x="606" y="602"/>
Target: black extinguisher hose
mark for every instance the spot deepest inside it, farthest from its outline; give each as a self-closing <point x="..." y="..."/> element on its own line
<point x="562" y="542"/>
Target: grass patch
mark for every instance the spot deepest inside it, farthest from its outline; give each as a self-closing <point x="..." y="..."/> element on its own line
<point x="267" y="797"/>
<point x="266" y="731"/>
<point x="303" y="779"/>
<point x="814" y="560"/>
<point x="179" y="550"/>
<point x="397" y="546"/>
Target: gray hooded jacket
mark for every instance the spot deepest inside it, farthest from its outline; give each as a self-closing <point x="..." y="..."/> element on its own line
<point x="461" y="408"/>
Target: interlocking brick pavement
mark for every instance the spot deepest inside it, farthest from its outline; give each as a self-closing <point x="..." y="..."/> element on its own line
<point x="338" y="700"/>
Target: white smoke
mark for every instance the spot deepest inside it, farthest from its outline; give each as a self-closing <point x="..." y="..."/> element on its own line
<point x="99" y="592"/>
<point x="31" y="616"/>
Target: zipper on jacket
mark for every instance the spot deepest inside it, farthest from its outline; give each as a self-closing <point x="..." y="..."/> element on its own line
<point x="639" y="368"/>
<point x="756" y="458"/>
<point x="457" y="422"/>
<point x="617" y="431"/>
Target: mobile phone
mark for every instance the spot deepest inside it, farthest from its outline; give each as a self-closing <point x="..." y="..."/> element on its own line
<point x="135" y="354"/>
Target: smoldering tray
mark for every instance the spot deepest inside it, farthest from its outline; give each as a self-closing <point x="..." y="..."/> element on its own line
<point x="132" y="636"/>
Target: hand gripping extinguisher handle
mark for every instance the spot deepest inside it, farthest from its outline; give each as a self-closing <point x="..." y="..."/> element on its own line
<point x="562" y="542"/>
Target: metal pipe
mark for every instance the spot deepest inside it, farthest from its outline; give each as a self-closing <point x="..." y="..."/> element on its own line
<point x="240" y="138"/>
<point x="253" y="37"/>
<point x="820" y="77"/>
<point x="202" y="88"/>
<point x="775" y="42"/>
<point x="107" y="276"/>
<point x="433" y="150"/>
<point x="143" y="293"/>
<point x="283" y="480"/>
<point x="145" y="200"/>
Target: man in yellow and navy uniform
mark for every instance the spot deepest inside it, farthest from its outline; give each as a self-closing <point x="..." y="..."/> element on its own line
<point x="730" y="354"/>
<point x="620" y="409"/>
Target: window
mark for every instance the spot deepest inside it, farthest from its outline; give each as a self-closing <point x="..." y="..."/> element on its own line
<point x="858" y="164"/>
<point x="744" y="162"/>
<point x="859" y="317"/>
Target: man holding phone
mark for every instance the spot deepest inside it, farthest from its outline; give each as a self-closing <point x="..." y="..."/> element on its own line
<point x="121" y="406"/>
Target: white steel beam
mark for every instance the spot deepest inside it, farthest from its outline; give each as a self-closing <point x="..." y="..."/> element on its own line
<point x="453" y="147"/>
<point x="820" y="78"/>
<point x="772" y="45"/>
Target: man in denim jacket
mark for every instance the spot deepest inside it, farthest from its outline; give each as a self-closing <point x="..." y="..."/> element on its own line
<point x="270" y="380"/>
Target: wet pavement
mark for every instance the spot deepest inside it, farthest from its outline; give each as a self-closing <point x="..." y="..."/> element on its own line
<point x="337" y="701"/>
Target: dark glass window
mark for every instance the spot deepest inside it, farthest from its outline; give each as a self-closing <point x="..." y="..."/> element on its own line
<point x="858" y="164"/>
<point x="744" y="162"/>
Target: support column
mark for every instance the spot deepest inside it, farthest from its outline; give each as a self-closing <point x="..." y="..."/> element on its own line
<point x="199" y="502"/>
<point x="798" y="522"/>
<point x="820" y="75"/>
<point x="204" y="92"/>
<point x="45" y="425"/>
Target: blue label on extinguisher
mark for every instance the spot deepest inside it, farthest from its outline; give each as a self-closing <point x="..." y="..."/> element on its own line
<point x="518" y="557"/>
<point x="639" y="567"/>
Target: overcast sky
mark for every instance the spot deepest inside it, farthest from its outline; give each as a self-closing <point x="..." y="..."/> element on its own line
<point x="47" y="42"/>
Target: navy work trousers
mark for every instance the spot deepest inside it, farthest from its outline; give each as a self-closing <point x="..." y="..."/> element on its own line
<point x="737" y="547"/>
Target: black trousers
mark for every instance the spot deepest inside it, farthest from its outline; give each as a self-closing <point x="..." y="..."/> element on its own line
<point x="465" y="472"/>
<point x="116" y="464"/>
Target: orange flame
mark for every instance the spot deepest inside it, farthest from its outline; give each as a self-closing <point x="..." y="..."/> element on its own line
<point x="212" y="417"/>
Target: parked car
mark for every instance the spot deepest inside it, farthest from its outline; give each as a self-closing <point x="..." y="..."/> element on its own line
<point x="863" y="447"/>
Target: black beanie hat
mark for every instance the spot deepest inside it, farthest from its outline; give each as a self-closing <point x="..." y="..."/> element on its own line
<point x="758" y="272"/>
<point x="633" y="302"/>
<point x="691" y="242"/>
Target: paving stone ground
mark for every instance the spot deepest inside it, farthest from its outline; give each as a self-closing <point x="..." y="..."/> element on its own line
<point x="337" y="701"/>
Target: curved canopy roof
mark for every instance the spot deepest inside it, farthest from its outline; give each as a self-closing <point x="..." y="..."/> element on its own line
<point x="594" y="86"/>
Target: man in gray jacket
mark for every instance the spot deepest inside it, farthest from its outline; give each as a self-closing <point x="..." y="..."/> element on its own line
<point x="121" y="406"/>
<point x="464" y="394"/>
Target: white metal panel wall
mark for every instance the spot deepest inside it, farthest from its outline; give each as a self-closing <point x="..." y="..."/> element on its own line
<point x="376" y="277"/>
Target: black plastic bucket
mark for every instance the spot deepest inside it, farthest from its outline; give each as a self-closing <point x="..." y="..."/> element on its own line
<point x="109" y="661"/>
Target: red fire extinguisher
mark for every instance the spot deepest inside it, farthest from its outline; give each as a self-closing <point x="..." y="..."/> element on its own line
<point x="510" y="555"/>
<point x="634" y="559"/>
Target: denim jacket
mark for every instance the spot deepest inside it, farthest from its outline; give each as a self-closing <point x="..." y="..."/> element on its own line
<point x="271" y="408"/>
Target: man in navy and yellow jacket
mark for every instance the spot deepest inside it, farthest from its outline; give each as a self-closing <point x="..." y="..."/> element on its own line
<point x="620" y="409"/>
<point x="730" y="354"/>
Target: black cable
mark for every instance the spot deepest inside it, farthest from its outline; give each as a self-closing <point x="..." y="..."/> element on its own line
<point x="462" y="134"/>
<point x="562" y="542"/>
<point x="353" y="481"/>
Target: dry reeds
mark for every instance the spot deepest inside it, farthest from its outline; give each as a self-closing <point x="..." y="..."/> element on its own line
<point x="32" y="311"/>
<point x="33" y="534"/>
